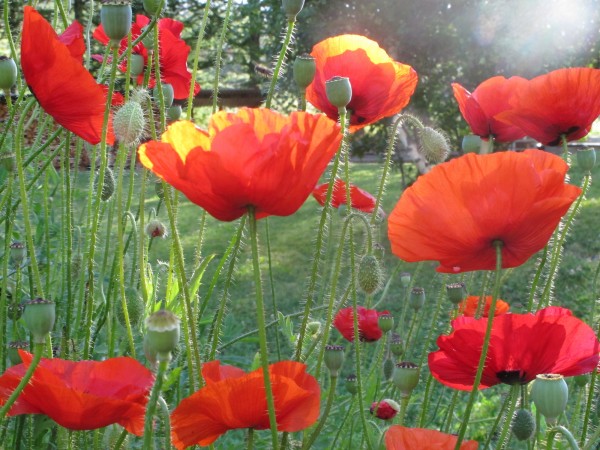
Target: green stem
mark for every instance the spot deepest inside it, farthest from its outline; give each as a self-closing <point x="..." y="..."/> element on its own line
<point x="566" y="433"/>
<point x="280" y="59"/>
<point x="514" y="396"/>
<point x="262" y="331"/>
<point x="324" y="416"/>
<point x="38" y="349"/>
<point x="151" y="406"/>
<point x="250" y="445"/>
<point x="220" y="45"/>
<point x="196" y="58"/>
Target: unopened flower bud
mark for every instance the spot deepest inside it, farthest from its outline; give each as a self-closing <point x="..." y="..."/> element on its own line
<point x="159" y="189"/>
<point x="129" y="123"/>
<point x="396" y="345"/>
<point x="523" y="425"/>
<point x="135" y="307"/>
<point x="8" y="73"/>
<point x="456" y="292"/>
<point x="386" y="322"/>
<point x="334" y="359"/>
<point x="153" y="7"/>
<point x="162" y="329"/>
<point x="550" y="394"/>
<point x="388" y="369"/>
<point x="304" y="70"/>
<point x="471" y="143"/>
<point x="7" y="160"/>
<point x="108" y="185"/>
<point x="156" y="229"/>
<point x="292" y="8"/>
<point x="168" y="94"/>
<point x="13" y="351"/>
<point x="39" y="317"/>
<point x="586" y="159"/>
<point x="17" y="253"/>
<point x="416" y="299"/>
<point x="148" y="40"/>
<point x="115" y="16"/>
<point x="351" y="384"/>
<point x="434" y="145"/>
<point x="136" y="64"/>
<point x="338" y="91"/>
<point x="313" y="328"/>
<point x="405" y="377"/>
<point x="369" y="275"/>
<point x="385" y="409"/>
<point x="174" y="112"/>
<point x="405" y="278"/>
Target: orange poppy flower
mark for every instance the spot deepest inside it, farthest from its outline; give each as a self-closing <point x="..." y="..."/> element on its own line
<point x="564" y="102"/>
<point x="381" y="87"/>
<point x="255" y="157"/>
<point x="82" y="395"/>
<point x="398" y="437"/>
<point x="233" y="399"/>
<point x="456" y="212"/>
<point x="361" y="200"/>
<point x="468" y="307"/>
<point x="488" y="99"/>
<point x="53" y="70"/>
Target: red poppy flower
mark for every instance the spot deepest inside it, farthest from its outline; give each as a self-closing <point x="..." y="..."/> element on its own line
<point x="233" y="399"/>
<point x="361" y="200"/>
<point x="53" y="71"/>
<point x="82" y="395"/>
<point x="468" y="307"/>
<point x="488" y="99"/>
<point x="398" y="437"/>
<point x="456" y="212"/>
<point x="368" y="323"/>
<point x="173" y="53"/>
<point x="381" y="87"/>
<point x="255" y="157"/>
<point x="521" y="347"/>
<point x="564" y="102"/>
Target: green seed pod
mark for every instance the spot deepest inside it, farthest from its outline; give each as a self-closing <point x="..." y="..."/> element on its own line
<point x="304" y="70"/>
<point x="388" y="369"/>
<point x="153" y="7"/>
<point x="434" y="145"/>
<point x="129" y="123"/>
<point x="108" y="185"/>
<point x="586" y="159"/>
<point x="523" y="425"/>
<point x="15" y="311"/>
<point x="135" y="307"/>
<point x="115" y="16"/>
<point x="334" y="359"/>
<point x="174" y="113"/>
<point x="39" y="317"/>
<point x="396" y="345"/>
<point x="8" y="73"/>
<point x="416" y="300"/>
<point x="292" y="8"/>
<point x="168" y="94"/>
<point x="471" y="143"/>
<point x="405" y="278"/>
<point x="456" y="292"/>
<point x="351" y="384"/>
<point x="369" y="276"/>
<point x="136" y="64"/>
<point x="550" y="394"/>
<point x="162" y="330"/>
<point x="405" y="377"/>
<point x="338" y="91"/>
<point x="386" y="322"/>
<point x="13" y="351"/>
<point x="17" y="253"/>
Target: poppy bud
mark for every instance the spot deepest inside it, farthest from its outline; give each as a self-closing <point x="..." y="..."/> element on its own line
<point x="417" y="298"/>
<point x="108" y="185"/>
<point x="369" y="276"/>
<point x="17" y="253"/>
<point x="581" y="380"/>
<point x="174" y="113"/>
<point x="405" y="279"/>
<point x="129" y="123"/>
<point x="386" y="322"/>
<point x="155" y="228"/>
<point x="159" y="189"/>
<point x="456" y="292"/>
<point x="388" y="369"/>
<point x="15" y="311"/>
<point x="586" y="159"/>
<point x="334" y="359"/>
<point x="135" y="307"/>
<point x="13" y="351"/>
<point x="76" y="263"/>
<point x="115" y="17"/>
<point x="313" y="328"/>
<point x="351" y="384"/>
<point x="153" y="7"/>
<point x="523" y="425"/>
<point x="148" y="40"/>
<point x="8" y="73"/>
<point x="434" y="145"/>
<point x="39" y="317"/>
<point x="550" y="394"/>
<point x="338" y="91"/>
<point x="396" y="345"/>
<point x="304" y="70"/>
<point x="385" y="409"/>
<point x="162" y="329"/>
<point x="7" y="160"/>
<point x="168" y="94"/>
<point x="405" y="377"/>
<point x="136" y="64"/>
<point x="292" y="8"/>
<point x="471" y="143"/>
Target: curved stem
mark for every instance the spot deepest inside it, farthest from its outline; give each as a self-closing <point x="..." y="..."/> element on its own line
<point x="284" y="49"/>
<point x="567" y="435"/>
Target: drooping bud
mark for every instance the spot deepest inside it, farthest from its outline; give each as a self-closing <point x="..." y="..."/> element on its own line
<point x="396" y="345"/>
<point x="13" y="351"/>
<point x="456" y="292"/>
<point x="388" y="369"/>
<point x="115" y="17"/>
<point x="385" y="409"/>
<point x="523" y="424"/>
<point x="135" y="307"/>
<point x="405" y="278"/>
<point x="334" y="359"/>
<point x="162" y="330"/>
<point x="313" y="328"/>
<point x="304" y="70"/>
<point x="416" y="300"/>
<point x="168" y="94"/>
<point x="156" y="229"/>
<point x="434" y="145"/>
<point x="136" y="64"/>
<point x="159" y="189"/>
<point x="338" y="91"/>
<point x="386" y="322"/>
<point x="148" y="39"/>
<point x="292" y="8"/>
<point x="129" y="123"/>
<point x="586" y="159"/>
<point x="405" y="377"/>
<point x="153" y="7"/>
<point x="39" y="317"/>
<point x="351" y="384"/>
<point x="550" y="394"/>
<point x="108" y="185"/>
<point x="471" y="143"/>
<point x="174" y="112"/>
<point x="8" y="73"/>
<point x="17" y="253"/>
<point x="369" y="276"/>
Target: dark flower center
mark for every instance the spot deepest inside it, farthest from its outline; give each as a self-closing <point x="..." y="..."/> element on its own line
<point x="558" y="140"/>
<point x="512" y="376"/>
